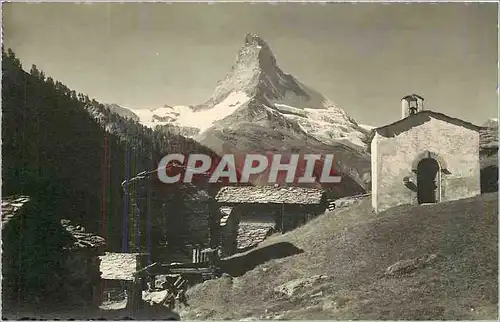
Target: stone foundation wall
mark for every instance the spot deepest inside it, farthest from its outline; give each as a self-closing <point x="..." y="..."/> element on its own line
<point x="229" y="234"/>
<point x="250" y="224"/>
<point x="251" y="234"/>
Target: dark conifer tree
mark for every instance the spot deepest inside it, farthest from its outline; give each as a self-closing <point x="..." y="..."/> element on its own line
<point x="34" y="71"/>
<point x="50" y="81"/>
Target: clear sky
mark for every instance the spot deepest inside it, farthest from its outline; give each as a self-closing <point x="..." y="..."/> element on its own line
<point x="364" y="57"/>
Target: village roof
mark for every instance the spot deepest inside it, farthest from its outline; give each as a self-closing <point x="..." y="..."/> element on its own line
<point x="419" y="118"/>
<point x="188" y="191"/>
<point x="82" y="239"/>
<point x="269" y="194"/>
<point x="196" y="195"/>
<point x="11" y="206"/>
<point x="118" y="266"/>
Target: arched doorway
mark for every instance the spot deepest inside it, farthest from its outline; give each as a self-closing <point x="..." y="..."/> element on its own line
<point x="428" y="181"/>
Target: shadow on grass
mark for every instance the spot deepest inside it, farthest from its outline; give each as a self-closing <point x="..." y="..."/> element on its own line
<point x="239" y="265"/>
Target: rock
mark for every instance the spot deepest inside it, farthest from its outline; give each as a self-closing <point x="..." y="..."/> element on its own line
<point x="290" y="288"/>
<point x="335" y="304"/>
<point x="226" y="275"/>
<point x="328" y="305"/>
<point x="319" y="294"/>
<point x="349" y="201"/>
<point x="406" y="266"/>
<point x="154" y="297"/>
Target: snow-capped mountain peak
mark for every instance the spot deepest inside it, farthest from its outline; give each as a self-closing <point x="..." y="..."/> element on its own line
<point x="255" y="72"/>
<point x="122" y="111"/>
<point x="185" y="116"/>
<point x="255" y="75"/>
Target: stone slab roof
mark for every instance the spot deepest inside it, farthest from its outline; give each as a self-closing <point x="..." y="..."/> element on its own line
<point x="118" y="266"/>
<point x="10" y="207"/>
<point x="82" y="239"/>
<point x="403" y="125"/>
<point x="192" y="193"/>
<point x="269" y="194"/>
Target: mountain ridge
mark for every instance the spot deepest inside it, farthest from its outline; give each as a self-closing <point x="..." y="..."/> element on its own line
<point x="255" y="74"/>
<point x="122" y="111"/>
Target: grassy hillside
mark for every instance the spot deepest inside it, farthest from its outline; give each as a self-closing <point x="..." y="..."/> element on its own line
<point x="351" y="249"/>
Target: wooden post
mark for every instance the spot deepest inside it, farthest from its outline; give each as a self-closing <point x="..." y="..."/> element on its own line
<point x="153" y="282"/>
<point x="210" y="256"/>
<point x="196" y="255"/>
<point x="282" y="218"/>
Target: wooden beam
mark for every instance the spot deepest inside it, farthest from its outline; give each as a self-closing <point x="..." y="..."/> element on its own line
<point x="282" y="218"/>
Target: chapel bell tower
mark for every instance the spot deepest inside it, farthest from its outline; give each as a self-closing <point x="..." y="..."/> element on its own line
<point x="411" y="104"/>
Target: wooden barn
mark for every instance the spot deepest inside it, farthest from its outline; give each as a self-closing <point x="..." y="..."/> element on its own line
<point x="178" y="221"/>
<point x="248" y="214"/>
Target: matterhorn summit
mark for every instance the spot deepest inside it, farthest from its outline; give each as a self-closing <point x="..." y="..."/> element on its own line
<point x="255" y="81"/>
<point x="255" y="72"/>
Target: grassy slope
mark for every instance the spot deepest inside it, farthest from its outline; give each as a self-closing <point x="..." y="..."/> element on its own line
<point x="353" y="247"/>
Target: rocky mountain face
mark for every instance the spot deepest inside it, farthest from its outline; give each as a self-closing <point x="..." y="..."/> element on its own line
<point x="257" y="74"/>
<point x="281" y="115"/>
<point x="172" y="117"/>
<point x="122" y="111"/>
<point x="256" y="128"/>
